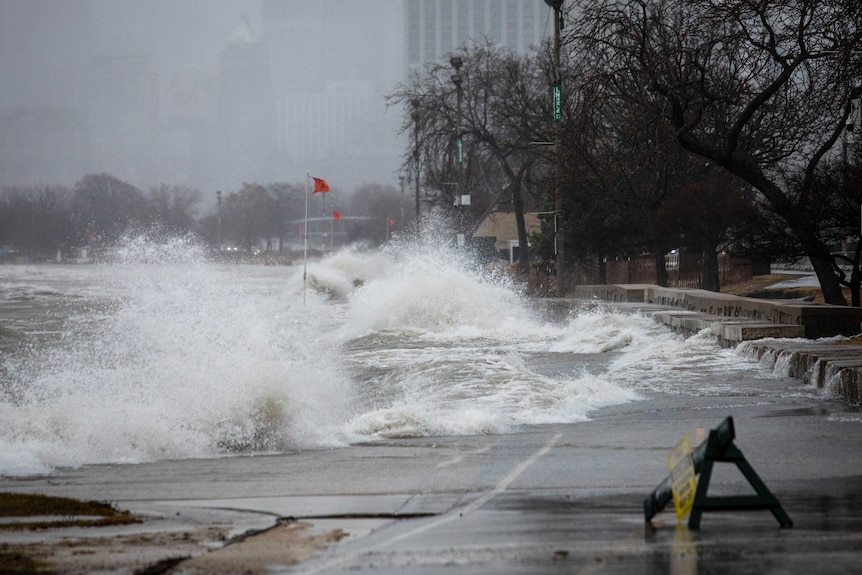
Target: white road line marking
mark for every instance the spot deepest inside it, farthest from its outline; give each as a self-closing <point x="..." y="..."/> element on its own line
<point x="460" y="457"/>
<point x="453" y="514"/>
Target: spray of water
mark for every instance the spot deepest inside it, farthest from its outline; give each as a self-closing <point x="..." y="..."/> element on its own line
<point x="178" y="358"/>
<point x="165" y="355"/>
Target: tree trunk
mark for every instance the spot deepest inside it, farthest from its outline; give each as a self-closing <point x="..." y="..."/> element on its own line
<point x="710" y="271"/>
<point x="829" y="284"/>
<point x="812" y="246"/>
<point x="856" y="278"/>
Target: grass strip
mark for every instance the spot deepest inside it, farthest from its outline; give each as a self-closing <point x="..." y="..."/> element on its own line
<point x="76" y="513"/>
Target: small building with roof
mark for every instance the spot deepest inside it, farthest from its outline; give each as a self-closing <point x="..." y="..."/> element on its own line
<point x="503" y="229"/>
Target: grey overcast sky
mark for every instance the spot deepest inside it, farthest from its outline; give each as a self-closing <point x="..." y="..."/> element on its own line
<point x="152" y="91"/>
<point x="45" y="45"/>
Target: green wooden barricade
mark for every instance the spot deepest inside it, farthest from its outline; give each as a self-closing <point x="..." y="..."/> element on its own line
<point x="718" y="447"/>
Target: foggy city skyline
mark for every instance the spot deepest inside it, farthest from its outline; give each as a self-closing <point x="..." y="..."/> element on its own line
<point x="214" y="93"/>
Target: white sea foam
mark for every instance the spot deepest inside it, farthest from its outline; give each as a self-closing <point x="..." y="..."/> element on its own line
<point x="168" y="356"/>
<point x="187" y="360"/>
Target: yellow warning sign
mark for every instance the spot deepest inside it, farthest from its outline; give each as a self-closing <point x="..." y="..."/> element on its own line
<point x="683" y="481"/>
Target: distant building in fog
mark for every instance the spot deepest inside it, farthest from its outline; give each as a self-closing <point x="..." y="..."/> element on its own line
<point x="139" y="97"/>
<point x="331" y="67"/>
<point x="436" y="27"/>
<point x="123" y="116"/>
<point x="245" y="110"/>
<point x="188" y="145"/>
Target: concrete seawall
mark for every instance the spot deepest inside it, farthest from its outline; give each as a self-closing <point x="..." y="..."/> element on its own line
<point x="836" y="368"/>
<point x="817" y="320"/>
<point x="785" y="333"/>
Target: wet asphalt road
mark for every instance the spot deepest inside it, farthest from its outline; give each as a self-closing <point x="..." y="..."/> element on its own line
<point x="555" y="499"/>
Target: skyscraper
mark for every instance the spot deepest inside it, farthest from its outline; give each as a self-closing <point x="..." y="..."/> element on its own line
<point x="331" y="67"/>
<point x="245" y="110"/>
<point x="123" y="115"/>
<point x="437" y="27"/>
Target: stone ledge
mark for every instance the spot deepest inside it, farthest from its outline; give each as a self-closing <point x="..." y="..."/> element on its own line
<point x="837" y="368"/>
<point x="818" y="320"/>
<point x="782" y="332"/>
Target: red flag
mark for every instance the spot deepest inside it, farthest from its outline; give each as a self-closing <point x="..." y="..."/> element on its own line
<point x="336" y="216"/>
<point x="391" y="222"/>
<point x="320" y="185"/>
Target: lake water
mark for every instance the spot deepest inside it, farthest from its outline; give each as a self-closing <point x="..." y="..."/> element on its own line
<point x="161" y="355"/>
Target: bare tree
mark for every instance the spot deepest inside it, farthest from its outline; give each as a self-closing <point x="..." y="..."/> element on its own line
<point x="758" y="87"/>
<point x="501" y="113"/>
<point x="625" y="173"/>
<point x="288" y="202"/>
<point x="36" y="218"/>
<point x="171" y="207"/>
<point x="108" y="205"/>
<point x="369" y="210"/>
<point x="248" y="215"/>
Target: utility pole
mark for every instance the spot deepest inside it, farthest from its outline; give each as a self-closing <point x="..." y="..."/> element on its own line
<point x="559" y="250"/>
<point x="415" y="116"/>
<point x="218" y="199"/>
<point x="456" y="63"/>
<point x="401" y="203"/>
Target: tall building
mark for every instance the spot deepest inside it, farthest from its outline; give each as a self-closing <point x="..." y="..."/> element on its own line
<point x="437" y="27"/>
<point x="123" y="115"/>
<point x="154" y="94"/>
<point x="188" y="142"/>
<point x="331" y="67"/>
<point x="245" y="110"/>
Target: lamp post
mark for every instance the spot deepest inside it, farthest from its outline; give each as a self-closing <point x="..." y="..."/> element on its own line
<point x="401" y="202"/>
<point x="456" y="63"/>
<point x="415" y="116"/>
<point x="557" y="6"/>
<point x="218" y="201"/>
<point x="854" y="120"/>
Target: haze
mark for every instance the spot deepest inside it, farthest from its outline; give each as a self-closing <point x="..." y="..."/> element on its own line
<point x="207" y="93"/>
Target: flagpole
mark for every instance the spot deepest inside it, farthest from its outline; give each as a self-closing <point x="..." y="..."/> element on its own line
<point x="305" y="239"/>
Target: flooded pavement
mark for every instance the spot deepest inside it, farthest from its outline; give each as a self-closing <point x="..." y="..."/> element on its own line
<point x="457" y="431"/>
<point x="549" y="499"/>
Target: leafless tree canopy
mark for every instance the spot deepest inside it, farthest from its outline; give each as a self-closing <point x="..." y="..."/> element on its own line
<point x="759" y="87"/>
<point x="505" y="109"/>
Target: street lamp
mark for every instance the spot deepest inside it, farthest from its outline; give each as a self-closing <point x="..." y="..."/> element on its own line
<point x="415" y="116"/>
<point x="456" y="63"/>
<point x="557" y="6"/>
<point x="401" y="203"/>
<point x="457" y="80"/>
<point x="218" y="200"/>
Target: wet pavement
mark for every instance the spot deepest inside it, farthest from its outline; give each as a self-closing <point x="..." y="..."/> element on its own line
<point x="553" y="499"/>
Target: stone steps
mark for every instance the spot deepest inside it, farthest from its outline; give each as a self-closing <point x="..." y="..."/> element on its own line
<point x="787" y="333"/>
<point x="818" y="320"/>
<point x="837" y="368"/>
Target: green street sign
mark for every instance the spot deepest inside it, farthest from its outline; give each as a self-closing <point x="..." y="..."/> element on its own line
<point x="558" y="102"/>
<point x="460" y="150"/>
